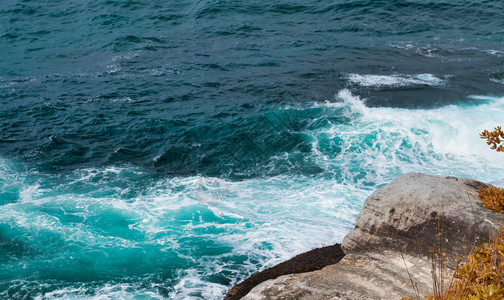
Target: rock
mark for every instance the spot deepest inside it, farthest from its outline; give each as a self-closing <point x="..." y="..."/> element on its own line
<point x="315" y="259"/>
<point x="416" y="210"/>
<point x="398" y="226"/>
<point x="356" y="276"/>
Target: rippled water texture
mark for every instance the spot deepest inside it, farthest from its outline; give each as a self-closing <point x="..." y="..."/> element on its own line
<point x="154" y="149"/>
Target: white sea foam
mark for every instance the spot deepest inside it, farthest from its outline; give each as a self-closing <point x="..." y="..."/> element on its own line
<point x="497" y="80"/>
<point x="498" y="53"/>
<point x="211" y="190"/>
<point x="191" y="284"/>
<point x="354" y="104"/>
<point x="265" y="220"/>
<point x="396" y="80"/>
<point x="388" y="142"/>
<point x="104" y="292"/>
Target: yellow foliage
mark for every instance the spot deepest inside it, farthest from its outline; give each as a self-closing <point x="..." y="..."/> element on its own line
<point x="482" y="276"/>
<point x="492" y="198"/>
<point x="494" y="138"/>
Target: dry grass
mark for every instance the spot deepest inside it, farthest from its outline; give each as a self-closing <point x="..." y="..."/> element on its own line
<point x="481" y="277"/>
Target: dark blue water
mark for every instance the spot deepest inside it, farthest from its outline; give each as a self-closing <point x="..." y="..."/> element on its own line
<point x="169" y="149"/>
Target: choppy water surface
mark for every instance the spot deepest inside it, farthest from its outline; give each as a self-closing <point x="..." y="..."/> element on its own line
<point x="153" y="150"/>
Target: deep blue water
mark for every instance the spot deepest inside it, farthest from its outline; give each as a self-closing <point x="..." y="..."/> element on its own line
<point x="170" y="149"/>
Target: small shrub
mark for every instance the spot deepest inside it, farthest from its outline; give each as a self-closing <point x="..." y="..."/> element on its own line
<point x="492" y="198"/>
<point x="482" y="276"/>
<point x="494" y="138"/>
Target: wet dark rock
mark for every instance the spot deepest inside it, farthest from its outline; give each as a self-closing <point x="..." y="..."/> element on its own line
<point x="306" y="262"/>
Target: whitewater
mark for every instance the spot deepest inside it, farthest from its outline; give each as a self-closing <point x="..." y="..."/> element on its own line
<point x="153" y="150"/>
<point x="210" y="233"/>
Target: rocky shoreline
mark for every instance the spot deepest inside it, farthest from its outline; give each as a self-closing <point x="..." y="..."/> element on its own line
<point x="309" y="261"/>
<point x="388" y="253"/>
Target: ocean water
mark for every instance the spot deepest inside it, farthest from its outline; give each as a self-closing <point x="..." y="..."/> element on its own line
<point x="170" y="149"/>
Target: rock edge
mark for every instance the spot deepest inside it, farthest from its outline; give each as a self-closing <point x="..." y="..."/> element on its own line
<point x="397" y="227"/>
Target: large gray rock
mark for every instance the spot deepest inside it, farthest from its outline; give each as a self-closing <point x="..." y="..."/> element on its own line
<point x="419" y="212"/>
<point x="398" y="226"/>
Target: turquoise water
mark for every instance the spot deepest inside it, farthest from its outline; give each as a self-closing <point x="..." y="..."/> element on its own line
<point x="153" y="150"/>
